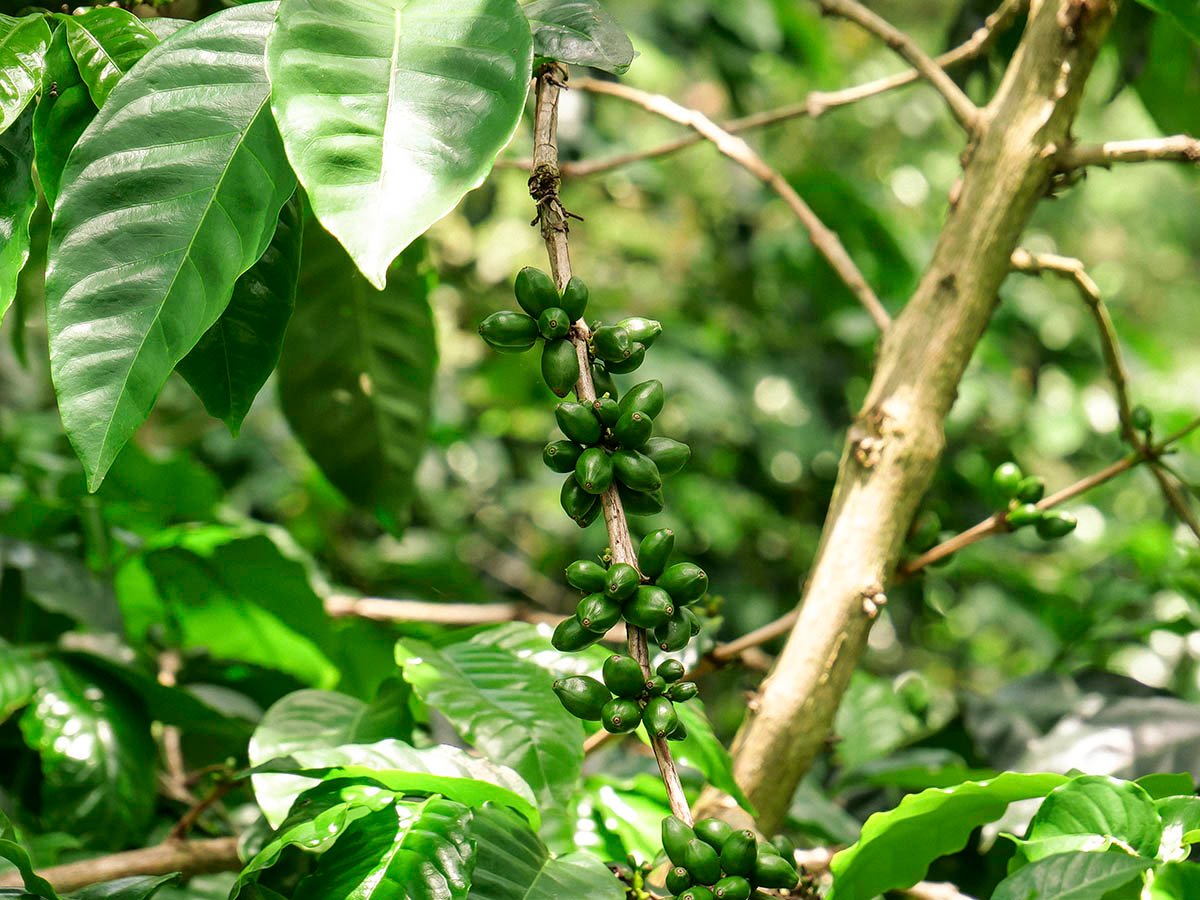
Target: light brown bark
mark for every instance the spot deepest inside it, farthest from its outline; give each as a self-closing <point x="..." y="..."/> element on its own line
<point x="894" y="445"/>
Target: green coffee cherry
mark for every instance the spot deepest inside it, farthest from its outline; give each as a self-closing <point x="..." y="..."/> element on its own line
<point x="696" y="892"/>
<point x="679" y="734"/>
<point x="655" y="686"/>
<point x="561" y="456"/>
<point x="598" y="612"/>
<point x="641" y="503"/>
<point x="784" y="847"/>
<point x="771" y="871"/>
<point x="1031" y="489"/>
<point x="576" y="502"/>
<point x="654" y="551"/>
<point x="586" y="575"/>
<point x="646" y="398"/>
<point x="570" y="636"/>
<point x="553" y="323"/>
<point x="611" y="343"/>
<point x="578" y="422"/>
<point x="535" y="291"/>
<point x="732" y="887"/>
<point x="636" y="357"/>
<point x="675" y="633"/>
<point x="620" y="715"/>
<point x="582" y="696"/>
<point x="693" y="620"/>
<point x="623" y="676"/>
<point x="642" y="330"/>
<point x="1025" y="514"/>
<point x="686" y="582"/>
<point x="659" y="717"/>
<point x="607" y="410"/>
<point x="669" y="455"/>
<point x="590" y="516"/>
<point x="701" y="861"/>
<point x="713" y="832"/>
<point x="682" y="691"/>
<point x="1055" y="524"/>
<point x="649" y="607"/>
<point x="509" y="332"/>
<point x="594" y="470"/>
<point x="1007" y="479"/>
<point x="1141" y="418"/>
<point x="575" y="298"/>
<point x="678" y="880"/>
<point x="636" y="470"/>
<point x="671" y="670"/>
<point x="621" y="580"/>
<point x="675" y="837"/>
<point x="739" y="853"/>
<point x="924" y="532"/>
<point x="633" y="429"/>
<point x="560" y="366"/>
<point x="603" y="382"/>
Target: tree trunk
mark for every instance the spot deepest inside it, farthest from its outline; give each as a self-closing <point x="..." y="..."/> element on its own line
<point x="894" y="445"/>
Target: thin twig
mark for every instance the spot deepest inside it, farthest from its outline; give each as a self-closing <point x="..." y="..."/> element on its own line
<point x="815" y="104"/>
<point x="553" y="219"/>
<point x="189" y="819"/>
<point x="826" y="241"/>
<point x="964" y="111"/>
<point x="1176" y="148"/>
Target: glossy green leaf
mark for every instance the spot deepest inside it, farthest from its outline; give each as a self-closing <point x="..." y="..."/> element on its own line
<point x="162" y="27"/>
<point x="135" y="887"/>
<point x="897" y="847"/>
<point x="64" y="111"/>
<point x="1093" y="812"/>
<point x="1180" y="817"/>
<point x="23" y="45"/>
<point x="1185" y="12"/>
<point x="506" y="708"/>
<point x="98" y="759"/>
<point x="1071" y="876"/>
<point x="106" y="42"/>
<point x="11" y="850"/>
<point x="391" y="110"/>
<point x="411" y="850"/>
<point x="356" y="374"/>
<point x="579" y="33"/>
<point x="532" y="642"/>
<point x="513" y="864"/>
<point x="18" y="197"/>
<point x="131" y="288"/>
<point x="238" y="353"/>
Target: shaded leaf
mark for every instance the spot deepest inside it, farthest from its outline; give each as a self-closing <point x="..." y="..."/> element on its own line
<point x="392" y="112"/>
<point x="513" y="864"/>
<point x="18" y="197"/>
<point x="234" y="358"/>
<point x="1185" y="12"/>
<point x="62" y="584"/>
<point x="23" y="44"/>
<point x="11" y="850"/>
<point x="897" y="847"/>
<point x="63" y="113"/>
<point x="98" y="759"/>
<point x="20" y="672"/>
<point x="1093" y="813"/>
<point x="106" y="43"/>
<point x="579" y="32"/>
<point x="1071" y="876"/>
<point x="131" y="289"/>
<point x="136" y="887"/>
<point x="356" y="374"/>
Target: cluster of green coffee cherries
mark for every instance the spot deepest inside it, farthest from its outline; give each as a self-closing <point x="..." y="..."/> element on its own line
<point x="548" y="315"/>
<point x="627" y="698"/>
<point x="1021" y="493"/>
<point x="710" y="860"/>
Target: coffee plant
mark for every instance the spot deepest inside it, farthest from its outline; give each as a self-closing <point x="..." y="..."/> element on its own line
<point x="285" y="659"/>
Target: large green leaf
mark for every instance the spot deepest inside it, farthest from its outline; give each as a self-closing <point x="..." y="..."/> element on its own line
<point x="1071" y="876"/>
<point x="411" y="850"/>
<point x="98" y="759"/>
<point x="1175" y="880"/>
<point x="579" y="32"/>
<point x="106" y="42"/>
<point x="135" y="887"/>
<point x="23" y="45"/>
<point x="391" y="110"/>
<point x="233" y="360"/>
<point x="12" y="851"/>
<point x="506" y="707"/>
<point x="897" y="847"/>
<point x="189" y="146"/>
<point x="512" y="864"/>
<point x="64" y="111"/>
<point x="18" y="197"/>
<point x="1185" y="12"/>
<point x="1092" y="813"/>
<point x="356" y="374"/>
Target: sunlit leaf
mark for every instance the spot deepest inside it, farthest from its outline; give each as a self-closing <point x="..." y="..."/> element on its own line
<point x="18" y="197"/>
<point x="1071" y="876"/>
<point x="23" y="45"/>
<point x="1093" y="813"/>
<point x="106" y="42"/>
